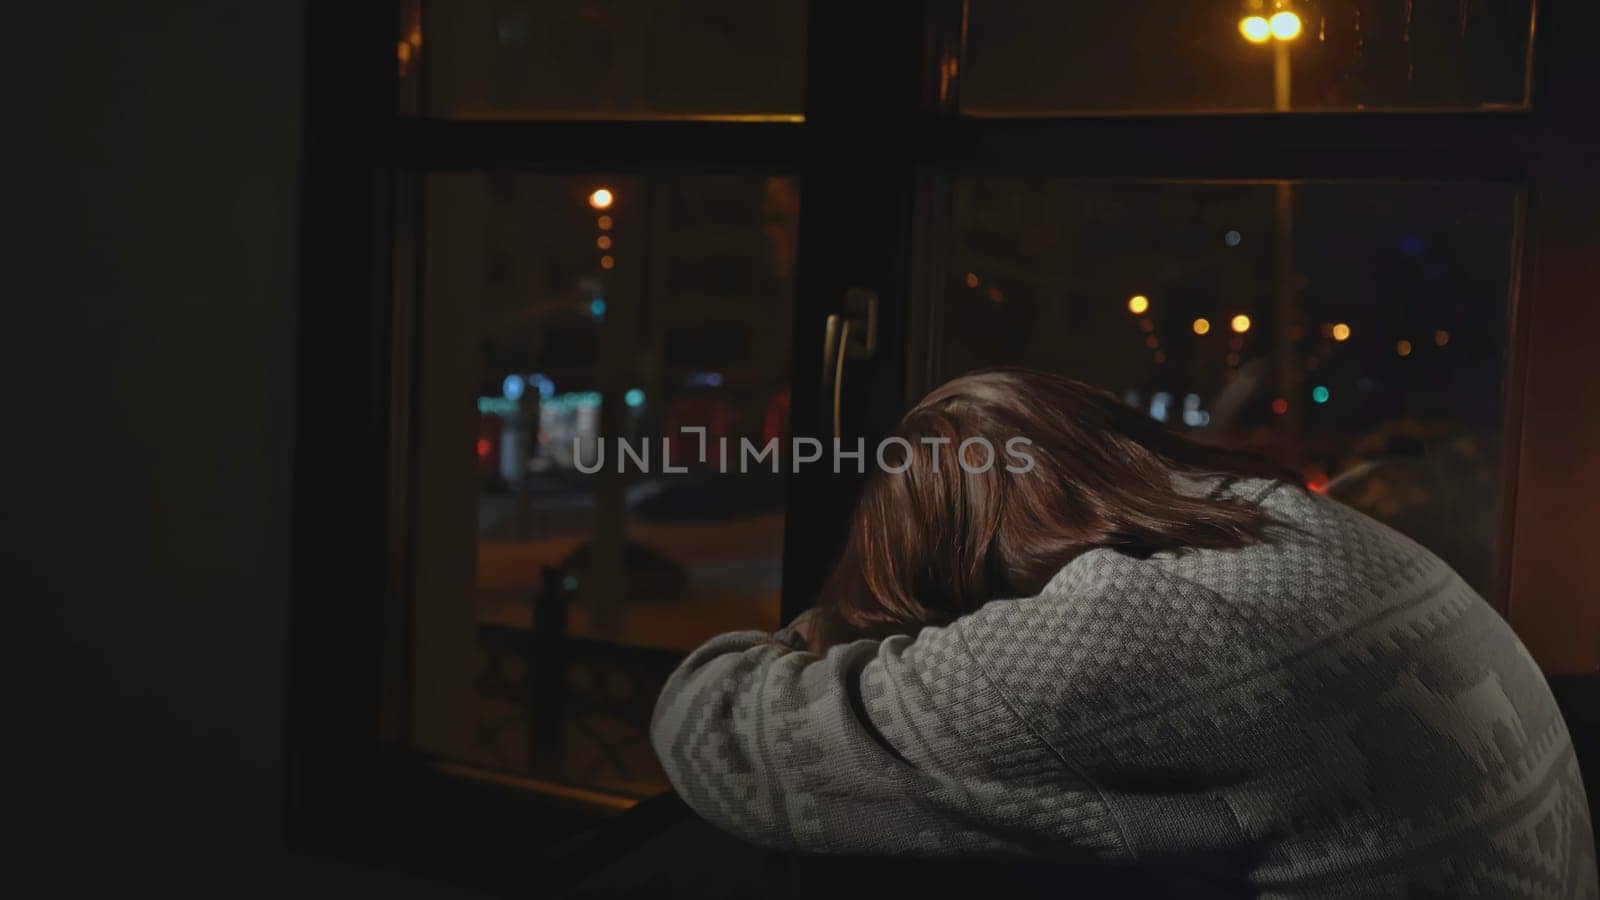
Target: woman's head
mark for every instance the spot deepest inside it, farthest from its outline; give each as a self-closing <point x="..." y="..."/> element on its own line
<point x="1007" y="475"/>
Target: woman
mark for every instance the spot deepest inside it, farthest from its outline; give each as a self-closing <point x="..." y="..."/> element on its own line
<point x="1137" y="650"/>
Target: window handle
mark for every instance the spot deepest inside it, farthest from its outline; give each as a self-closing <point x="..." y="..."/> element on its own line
<point x="851" y="333"/>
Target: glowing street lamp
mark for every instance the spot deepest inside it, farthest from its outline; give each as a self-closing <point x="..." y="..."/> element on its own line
<point x="1273" y="22"/>
<point x="1279" y="29"/>
<point x="1284" y="25"/>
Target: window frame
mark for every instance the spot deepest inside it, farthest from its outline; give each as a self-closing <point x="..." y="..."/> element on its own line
<point x="879" y="133"/>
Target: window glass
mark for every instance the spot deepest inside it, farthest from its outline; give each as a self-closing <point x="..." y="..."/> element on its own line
<point x="1357" y="333"/>
<point x="556" y="314"/>
<point x="1042" y="57"/>
<point x="609" y="58"/>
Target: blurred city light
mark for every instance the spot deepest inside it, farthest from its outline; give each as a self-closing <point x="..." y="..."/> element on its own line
<point x="1341" y="332"/>
<point x="1403" y="347"/>
<point x="1255" y="29"/>
<point x="601" y="199"/>
<point x="604" y="222"/>
<point x="1280" y="406"/>
<point x="1441" y="337"/>
<point x="607" y="262"/>
<point x="1202" y="326"/>
<point x="1241" y="323"/>
<point x="1138" y="303"/>
<point x="1159" y="405"/>
<point x="634" y="398"/>
<point x="1285" y="26"/>
<point x="1320" y="394"/>
<point x="513" y="387"/>
<point x="972" y="279"/>
<point x="1317" y="481"/>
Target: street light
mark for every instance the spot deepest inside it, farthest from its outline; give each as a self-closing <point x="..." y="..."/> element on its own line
<point x="1272" y="21"/>
<point x="1279" y="28"/>
<point x="1285" y="25"/>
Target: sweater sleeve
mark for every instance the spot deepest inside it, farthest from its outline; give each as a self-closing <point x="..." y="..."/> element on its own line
<point x="894" y="747"/>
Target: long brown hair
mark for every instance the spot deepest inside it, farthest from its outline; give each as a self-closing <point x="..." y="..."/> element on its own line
<point x="940" y="539"/>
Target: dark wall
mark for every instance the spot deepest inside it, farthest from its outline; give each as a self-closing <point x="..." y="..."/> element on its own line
<point x="150" y="195"/>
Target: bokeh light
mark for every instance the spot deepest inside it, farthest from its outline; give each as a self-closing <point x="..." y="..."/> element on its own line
<point x="1241" y="323"/>
<point x="1255" y="29"/>
<point x="1202" y="326"/>
<point x="1138" y="303"/>
<point x="601" y="198"/>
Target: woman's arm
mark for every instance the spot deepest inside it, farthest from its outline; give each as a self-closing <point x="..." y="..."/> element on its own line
<point x="900" y="746"/>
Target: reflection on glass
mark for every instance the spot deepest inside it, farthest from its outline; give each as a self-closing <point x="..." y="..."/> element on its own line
<point x="1039" y="57"/>
<point x="1355" y="332"/>
<point x="611" y="58"/>
<point x="559" y="312"/>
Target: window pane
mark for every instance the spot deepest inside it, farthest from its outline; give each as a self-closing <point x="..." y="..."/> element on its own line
<point x="556" y="311"/>
<point x="1355" y="332"/>
<point x="610" y="58"/>
<point x="1041" y="57"/>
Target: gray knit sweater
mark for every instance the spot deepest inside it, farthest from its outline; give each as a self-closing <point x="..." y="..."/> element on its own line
<point x="1333" y="713"/>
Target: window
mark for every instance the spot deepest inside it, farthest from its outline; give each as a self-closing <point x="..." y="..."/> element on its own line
<point x="1365" y="250"/>
<point x="558" y="581"/>
<point x="1356" y="332"/>
<point x="1034" y="57"/>
<point x="706" y="59"/>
